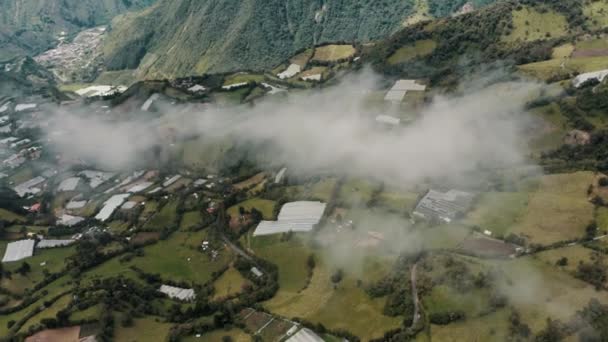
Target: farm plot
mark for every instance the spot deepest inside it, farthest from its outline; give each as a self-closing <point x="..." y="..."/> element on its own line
<point x="179" y="259"/>
<point x="266" y="207"/>
<point x="420" y="48"/>
<point x="530" y="25"/>
<point x="498" y="212"/>
<point x="165" y="218"/>
<point x="486" y="247"/>
<point x="229" y="284"/>
<point x="143" y="329"/>
<point x="333" y="53"/>
<point x="559" y="210"/>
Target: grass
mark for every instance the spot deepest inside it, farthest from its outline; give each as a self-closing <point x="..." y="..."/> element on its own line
<point x="203" y="153"/>
<point x="90" y="313"/>
<point x="575" y="255"/>
<point x="55" y="262"/>
<point x="143" y="329"/>
<point x="230" y="283"/>
<point x="399" y="201"/>
<point x="446" y="299"/>
<point x="420" y="48"/>
<point x="266" y="207"/>
<point x="320" y="302"/>
<point x="191" y="219"/>
<point x="492" y="327"/>
<point x="498" y="212"/>
<point x="334" y="52"/>
<point x="289" y="256"/>
<point x="169" y="258"/>
<point x="10" y="216"/>
<point x="149" y="209"/>
<point x="554" y="67"/>
<point x="562" y="51"/>
<point x="559" y="210"/>
<point x="530" y="25"/>
<point x="597" y="12"/>
<point x="601" y="217"/>
<point x="302" y="59"/>
<point x="50" y="312"/>
<point x="118" y="227"/>
<point x="166" y="217"/>
<point x="236" y="335"/>
<point x="356" y="192"/>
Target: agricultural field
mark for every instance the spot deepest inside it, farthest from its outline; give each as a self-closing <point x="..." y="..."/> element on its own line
<point x="191" y="219"/>
<point x="555" y="67"/>
<point x="530" y="25"/>
<point x="597" y="12"/>
<point x="289" y="256"/>
<point x="498" y="212"/>
<point x="356" y="192"/>
<point x="333" y="53"/>
<point x="165" y="217"/>
<point x="50" y="312"/>
<point x="420" y="48"/>
<point x="229" y="284"/>
<point x="9" y="216"/>
<point x="559" y="210"/>
<point x="266" y="207"/>
<point x="250" y="182"/>
<point x="321" y="302"/>
<point x="143" y="329"/>
<point x="178" y="258"/>
<point x="243" y="78"/>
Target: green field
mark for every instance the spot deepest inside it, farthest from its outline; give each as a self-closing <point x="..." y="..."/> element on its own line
<point x="530" y="25"/>
<point x="143" y="329"/>
<point x="166" y="217"/>
<point x="446" y="299"/>
<point x="498" y="212"/>
<point x="559" y="210"/>
<point x="554" y="67"/>
<point x="289" y="256"/>
<point x="243" y="78"/>
<point x="406" y="53"/>
<point x="9" y="216"/>
<point x="191" y="219"/>
<point x="230" y="283"/>
<point x="334" y="52"/>
<point x="266" y="207"/>
<point x="575" y="255"/>
<point x="356" y="192"/>
<point x="50" y="312"/>
<point x="597" y="11"/>
<point x="320" y="302"/>
<point x="170" y="258"/>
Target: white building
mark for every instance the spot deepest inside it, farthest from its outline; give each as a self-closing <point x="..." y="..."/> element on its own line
<point x="295" y="216"/>
<point x="291" y="71"/>
<point x="69" y="184"/>
<point x="54" y="243"/>
<point x="25" y="107"/>
<point x="19" y="250"/>
<point x="178" y="292"/>
<point x="69" y="220"/>
<point x="401" y="88"/>
<point x="110" y="205"/>
<point x="305" y="335"/>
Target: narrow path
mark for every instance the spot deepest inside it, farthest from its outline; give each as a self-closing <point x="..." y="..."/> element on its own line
<point x="414" y="296"/>
<point x="236" y="248"/>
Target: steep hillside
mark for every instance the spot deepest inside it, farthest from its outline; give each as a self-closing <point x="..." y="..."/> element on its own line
<point x="29" y="27"/>
<point x="178" y="38"/>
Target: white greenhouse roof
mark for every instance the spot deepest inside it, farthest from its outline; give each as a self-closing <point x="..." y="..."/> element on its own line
<point x="177" y="292"/>
<point x="54" y="243"/>
<point x="140" y="187"/>
<point x="582" y="78"/>
<point x="387" y="119"/>
<point x="69" y="184"/>
<point x="305" y="335"/>
<point x="19" y="250"/>
<point x="110" y="205"/>
<point x="291" y="71"/>
<point x="295" y="216"/>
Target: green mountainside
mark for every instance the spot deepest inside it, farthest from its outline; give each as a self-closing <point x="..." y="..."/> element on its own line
<point x="29" y="27"/>
<point x="184" y="37"/>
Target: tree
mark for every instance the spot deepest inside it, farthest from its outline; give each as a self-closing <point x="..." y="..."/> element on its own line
<point x="24" y="269"/>
<point x="563" y="261"/>
<point x="337" y="276"/>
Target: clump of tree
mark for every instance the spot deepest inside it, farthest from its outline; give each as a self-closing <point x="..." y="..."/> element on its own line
<point x="593" y="272"/>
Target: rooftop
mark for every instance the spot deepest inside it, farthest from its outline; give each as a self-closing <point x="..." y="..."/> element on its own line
<point x="444" y="206"/>
<point x="295" y="216"/>
<point x="19" y="250"/>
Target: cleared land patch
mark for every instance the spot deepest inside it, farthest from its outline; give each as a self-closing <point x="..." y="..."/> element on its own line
<point x="143" y="329"/>
<point x="406" y="53"/>
<point x="334" y="52"/>
<point x="266" y="207"/>
<point x="230" y="283"/>
<point x="597" y="11"/>
<point x="559" y="210"/>
<point x="530" y="25"/>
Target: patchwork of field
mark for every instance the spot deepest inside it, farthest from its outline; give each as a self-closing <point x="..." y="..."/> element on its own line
<point x="530" y="25"/>
<point x="420" y="48"/>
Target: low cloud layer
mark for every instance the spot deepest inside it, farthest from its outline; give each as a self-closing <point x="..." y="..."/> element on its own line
<point x="332" y="130"/>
